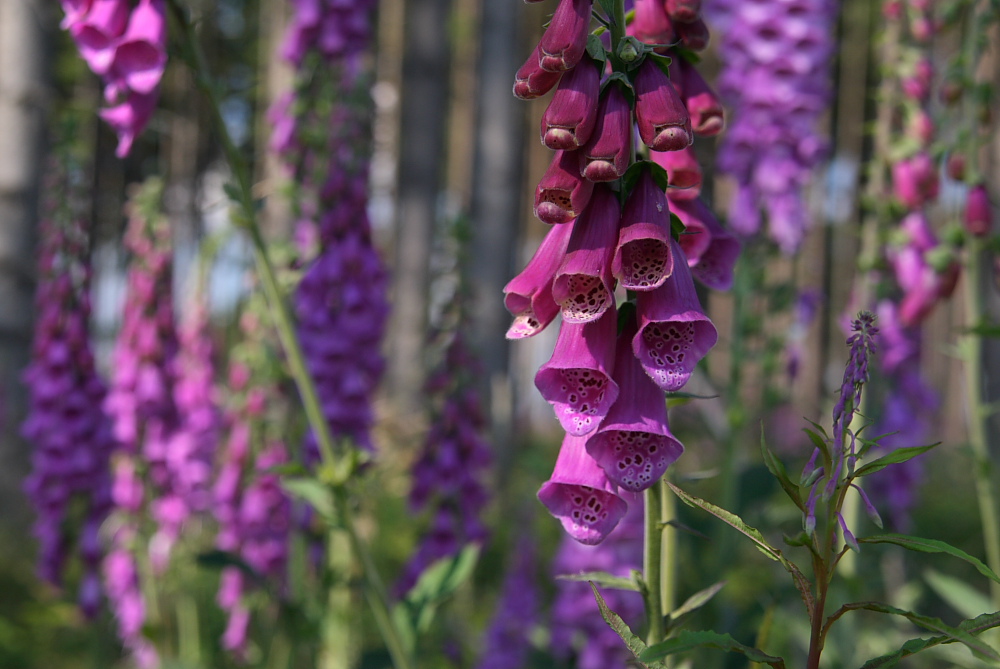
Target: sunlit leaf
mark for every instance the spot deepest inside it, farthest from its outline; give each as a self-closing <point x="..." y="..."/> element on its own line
<point x="913" y="646"/>
<point x="602" y="578"/>
<point x="921" y="545"/>
<point x="893" y="457"/>
<point x="632" y="642"/>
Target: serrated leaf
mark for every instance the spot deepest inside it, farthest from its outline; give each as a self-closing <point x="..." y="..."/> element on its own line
<point x="913" y="646"/>
<point x="893" y="457"/>
<point x="957" y="593"/>
<point x="615" y="622"/>
<point x="312" y="492"/>
<point x="687" y="640"/>
<point x="978" y="647"/>
<point x="602" y="578"/>
<point x="778" y="471"/>
<point x="921" y="545"/>
<point x="438" y="582"/>
<point x="697" y="600"/>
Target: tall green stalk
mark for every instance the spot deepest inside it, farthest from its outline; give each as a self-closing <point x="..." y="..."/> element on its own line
<point x="652" y="563"/>
<point x="334" y="462"/>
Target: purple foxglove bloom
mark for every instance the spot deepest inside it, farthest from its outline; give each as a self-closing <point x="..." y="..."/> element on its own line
<point x="651" y="23"/>
<point x="978" y="217"/>
<point x="579" y="494"/>
<point x="696" y="238"/>
<point x="129" y="118"/>
<point x="562" y="194"/>
<point x="528" y="296"/>
<point x="96" y="33"/>
<point x="703" y="105"/>
<point x="643" y="258"/>
<point x="141" y="54"/>
<point x="683" y="172"/>
<point x="693" y="35"/>
<point x="75" y="11"/>
<point x="664" y="123"/>
<point x="714" y="264"/>
<point x="570" y="118"/>
<point x="583" y="285"/>
<point x="606" y="156"/>
<point x="674" y="332"/>
<point x="531" y="81"/>
<point x="577" y="380"/>
<point x="634" y="444"/>
<point x="917" y="85"/>
<point x="915" y="181"/>
<point x="684" y="11"/>
<point x="565" y="40"/>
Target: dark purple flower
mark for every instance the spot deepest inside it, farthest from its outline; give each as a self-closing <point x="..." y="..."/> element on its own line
<point x="507" y="643"/>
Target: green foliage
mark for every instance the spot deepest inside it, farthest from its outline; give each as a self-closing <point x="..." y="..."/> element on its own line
<point x="687" y="640"/>
<point x="634" y="643"/>
<point x="913" y="646"/>
<point x="605" y="579"/>
<point x="921" y="545"/>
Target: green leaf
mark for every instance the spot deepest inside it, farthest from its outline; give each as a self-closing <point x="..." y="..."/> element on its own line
<point x="961" y="596"/>
<point x="595" y="49"/>
<point x="687" y="640"/>
<point x="956" y="634"/>
<point x="661" y="61"/>
<point x="696" y="601"/>
<point x="288" y="469"/>
<point x="312" y="492"/>
<point x="602" y="578"/>
<point x="677" y="226"/>
<point x="437" y="583"/>
<point x="824" y="448"/>
<point x="737" y="523"/>
<point x="913" y="646"/>
<point x="615" y="622"/>
<point x="778" y="471"/>
<point x="893" y="457"/>
<point x="921" y="545"/>
<point x="609" y="8"/>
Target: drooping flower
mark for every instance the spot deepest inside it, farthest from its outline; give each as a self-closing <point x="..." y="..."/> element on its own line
<point x="663" y="121"/>
<point x="570" y="118"/>
<point x="643" y="256"/>
<point x="562" y="193"/>
<point x="606" y="156"/>
<point x="528" y="296"/>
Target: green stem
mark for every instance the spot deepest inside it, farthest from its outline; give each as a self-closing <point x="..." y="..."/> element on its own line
<point x="668" y="552"/>
<point x="652" y="563"/>
<point x="983" y="468"/>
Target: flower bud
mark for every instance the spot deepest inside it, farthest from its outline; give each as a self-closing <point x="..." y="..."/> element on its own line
<point x="531" y="81"/>
<point x="571" y="115"/>
<point x="562" y="192"/>
<point x="978" y="219"/>
<point x="664" y="123"/>
<point x="607" y="153"/>
<point x="955" y="166"/>
<point x="565" y="40"/>
<point x="915" y="181"/>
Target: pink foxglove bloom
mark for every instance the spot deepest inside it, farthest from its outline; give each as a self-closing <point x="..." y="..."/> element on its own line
<point x="683" y="172"/>
<point x="571" y="116"/>
<point x="663" y="121"/>
<point x="634" y="444"/>
<point x="583" y="283"/>
<point x="696" y="238"/>
<point x="703" y="105"/>
<point x="129" y="118"/>
<point x="684" y="11"/>
<point x="528" y="296"/>
<point x="651" y="23"/>
<point x="643" y="259"/>
<point x="577" y="379"/>
<point x="565" y="40"/>
<point x="531" y="81"/>
<point x="978" y="217"/>
<point x="692" y="36"/>
<point x="562" y="194"/>
<point x="713" y="262"/>
<point x="141" y="54"/>
<point x="915" y="181"/>
<point x="674" y="332"/>
<point x="97" y="31"/>
<point x="606" y="156"/>
<point x="579" y="494"/>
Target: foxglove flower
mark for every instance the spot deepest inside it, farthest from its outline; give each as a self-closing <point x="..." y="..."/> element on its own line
<point x="643" y="257"/>
<point x="562" y="194"/>
<point x="580" y="495"/>
<point x="683" y="172"/>
<point x="664" y="123"/>
<point x="565" y="40"/>
<point x="571" y="116"/>
<point x="528" y="296"/>
<point x="651" y="23"/>
<point x="333" y="29"/>
<point x="915" y="181"/>
<point x="531" y="81"/>
<point x="712" y="262"/>
<point x="606" y="156"/>
<point x="978" y="217"/>
<point x="704" y="107"/>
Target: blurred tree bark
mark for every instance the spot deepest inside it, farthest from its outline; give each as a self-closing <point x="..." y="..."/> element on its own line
<point x="23" y="106"/>
<point x="423" y="115"/>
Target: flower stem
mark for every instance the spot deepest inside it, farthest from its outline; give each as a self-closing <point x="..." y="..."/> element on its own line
<point x="652" y="563"/>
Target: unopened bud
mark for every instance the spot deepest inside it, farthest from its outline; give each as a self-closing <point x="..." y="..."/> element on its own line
<point x="978" y="217"/>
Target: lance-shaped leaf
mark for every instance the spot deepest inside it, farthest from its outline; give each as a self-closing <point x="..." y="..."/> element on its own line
<point x="687" y="640"/>
<point x="778" y="471"/>
<point x="615" y="622"/>
<point x="570" y="118"/>
<point x="528" y="296"/>
<point x="576" y="380"/>
<point x="893" y="457"/>
<point x="583" y="284"/>
<point x="580" y="496"/>
<point x="602" y="578"/>
<point x="975" y="625"/>
<point x="663" y="120"/>
<point x="921" y="545"/>
<point x="634" y="444"/>
<point x="644" y="258"/>
<point x="674" y="332"/>
<point x="562" y="193"/>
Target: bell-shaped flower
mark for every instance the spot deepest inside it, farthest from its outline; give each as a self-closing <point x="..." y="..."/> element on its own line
<point x="577" y="381"/>
<point x="579" y="494"/>
<point x="528" y="296"/>
<point x="565" y="40"/>
<point x="607" y="154"/>
<point x="674" y="332"/>
<point x="684" y="11"/>
<point x="531" y="81"/>
<point x="141" y="55"/>
<point x="683" y="172"/>
<point x="978" y="217"/>
<point x="915" y="181"/>
<point x="643" y="258"/>
<point x="563" y="193"/>
<point x="714" y="265"/>
<point x="571" y="115"/>
<point x="651" y="23"/>
<point x="97" y="33"/>
<point x="703" y="105"/>
<point x="696" y="238"/>
<point x="129" y="118"/>
<point x="634" y="444"/>
<point x="583" y="285"/>
<point x="693" y="35"/>
<point x="75" y="11"/>
<point x="664" y="123"/>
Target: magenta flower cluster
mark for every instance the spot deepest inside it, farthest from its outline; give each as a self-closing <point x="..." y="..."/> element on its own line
<point x="448" y="473"/>
<point x="126" y="46"/>
<point x="775" y="78"/>
<point x="613" y="362"/>
<point x="337" y="30"/>
<point x="70" y="481"/>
